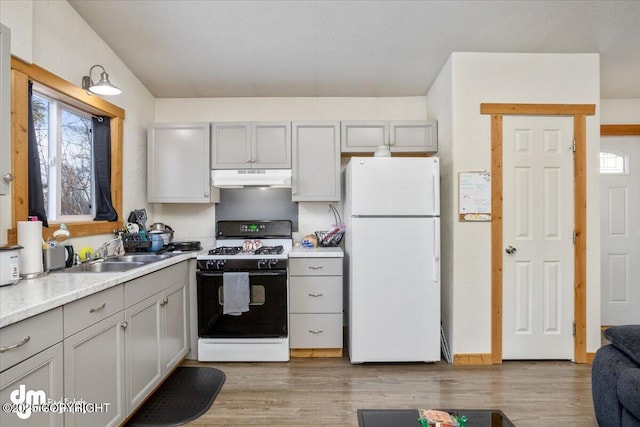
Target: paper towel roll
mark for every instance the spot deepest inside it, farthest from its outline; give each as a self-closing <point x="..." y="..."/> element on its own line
<point x="30" y="238"/>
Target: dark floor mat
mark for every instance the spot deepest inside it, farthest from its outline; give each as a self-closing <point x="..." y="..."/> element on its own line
<point x="183" y="397"/>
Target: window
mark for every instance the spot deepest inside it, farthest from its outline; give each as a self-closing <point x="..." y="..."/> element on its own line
<point x="70" y="98"/>
<point x="613" y="164"/>
<point x="65" y="147"/>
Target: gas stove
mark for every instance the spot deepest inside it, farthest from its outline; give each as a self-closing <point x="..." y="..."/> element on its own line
<point x="256" y="251"/>
<point x="249" y="245"/>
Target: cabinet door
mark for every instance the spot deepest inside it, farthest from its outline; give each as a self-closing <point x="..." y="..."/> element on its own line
<point x="94" y="371"/>
<point x="40" y="372"/>
<point x="231" y="145"/>
<point x="316" y="161"/>
<point x="364" y="136"/>
<point x="142" y="350"/>
<point x="271" y="145"/>
<point x="413" y="136"/>
<point x="178" y="163"/>
<point x="174" y="345"/>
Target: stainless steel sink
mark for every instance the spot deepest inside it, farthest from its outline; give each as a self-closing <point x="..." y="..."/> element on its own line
<point x="103" y="267"/>
<point x="144" y="258"/>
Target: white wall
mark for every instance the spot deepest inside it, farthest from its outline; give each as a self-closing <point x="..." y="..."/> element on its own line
<point x="194" y="221"/>
<point x="440" y="107"/>
<point x="477" y="78"/>
<point x="52" y="35"/>
<point x="620" y="111"/>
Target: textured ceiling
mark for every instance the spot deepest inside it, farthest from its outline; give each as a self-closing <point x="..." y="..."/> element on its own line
<point x="188" y="49"/>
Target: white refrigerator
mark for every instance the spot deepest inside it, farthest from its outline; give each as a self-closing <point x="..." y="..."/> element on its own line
<point x="392" y="245"/>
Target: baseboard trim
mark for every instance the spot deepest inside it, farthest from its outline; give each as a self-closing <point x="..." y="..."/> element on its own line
<point x="480" y="359"/>
<point x="315" y="352"/>
<point x="472" y="359"/>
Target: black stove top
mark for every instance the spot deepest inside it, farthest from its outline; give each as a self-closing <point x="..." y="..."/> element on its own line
<point x="239" y="250"/>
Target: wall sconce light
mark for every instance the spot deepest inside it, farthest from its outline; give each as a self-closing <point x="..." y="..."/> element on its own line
<point x="103" y="87"/>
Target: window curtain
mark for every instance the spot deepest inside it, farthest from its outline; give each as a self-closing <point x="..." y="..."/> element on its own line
<point x="102" y="165"/>
<point x="36" y="195"/>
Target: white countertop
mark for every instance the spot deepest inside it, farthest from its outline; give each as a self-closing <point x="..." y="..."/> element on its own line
<point x="321" y="252"/>
<point x="34" y="296"/>
<point x="31" y="297"/>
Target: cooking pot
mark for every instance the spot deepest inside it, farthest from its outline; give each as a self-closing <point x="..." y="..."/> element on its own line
<point x="163" y="230"/>
<point x="9" y="264"/>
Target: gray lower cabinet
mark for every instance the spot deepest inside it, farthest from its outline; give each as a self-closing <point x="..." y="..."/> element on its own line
<point x="110" y="349"/>
<point x="31" y="367"/>
<point x="315" y="294"/>
<point x="42" y="371"/>
<point x="315" y="164"/>
<point x="156" y="337"/>
<point x="94" y="371"/>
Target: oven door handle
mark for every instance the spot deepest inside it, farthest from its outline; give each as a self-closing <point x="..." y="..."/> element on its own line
<point x="251" y="273"/>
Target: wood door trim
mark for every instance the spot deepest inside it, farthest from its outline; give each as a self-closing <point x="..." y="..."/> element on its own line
<point x="579" y="113"/>
<point x="619" y="130"/>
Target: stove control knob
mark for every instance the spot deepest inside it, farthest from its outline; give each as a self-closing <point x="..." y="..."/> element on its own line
<point x="273" y="263"/>
<point x="262" y="263"/>
<point x="220" y="263"/>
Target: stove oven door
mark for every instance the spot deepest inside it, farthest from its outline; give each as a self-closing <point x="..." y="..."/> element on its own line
<point x="267" y="315"/>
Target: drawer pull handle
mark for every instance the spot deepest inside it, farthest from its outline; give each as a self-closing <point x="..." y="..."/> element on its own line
<point x="94" y="309"/>
<point x="315" y="295"/>
<point x="315" y="267"/>
<point x="20" y="344"/>
<point x="315" y="331"/>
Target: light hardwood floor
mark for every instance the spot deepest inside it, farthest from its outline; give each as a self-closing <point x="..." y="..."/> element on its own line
<point x="327" y="392"/>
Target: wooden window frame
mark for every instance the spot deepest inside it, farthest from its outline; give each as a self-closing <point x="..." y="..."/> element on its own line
<point x="21" y="74"/>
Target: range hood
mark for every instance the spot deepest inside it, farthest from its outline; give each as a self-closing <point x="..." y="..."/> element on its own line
<point x="238" y="178"/>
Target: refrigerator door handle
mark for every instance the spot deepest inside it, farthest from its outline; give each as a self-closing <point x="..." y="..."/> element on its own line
<point x="436" y="194"/>
<point x="436" y="251"/>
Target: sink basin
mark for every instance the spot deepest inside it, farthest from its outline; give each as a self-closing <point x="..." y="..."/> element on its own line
<point x="144" y="258"/>
<point x="103" y="267"/>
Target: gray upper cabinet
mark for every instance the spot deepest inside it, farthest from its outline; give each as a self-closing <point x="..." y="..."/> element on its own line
<point x="316" y="161"/>
<point x="251" y="145"/>
<point x="412" y="136"/>
<point x="178" y="168"/>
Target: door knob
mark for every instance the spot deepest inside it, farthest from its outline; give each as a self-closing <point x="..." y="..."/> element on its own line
<point x="510" y="250"/>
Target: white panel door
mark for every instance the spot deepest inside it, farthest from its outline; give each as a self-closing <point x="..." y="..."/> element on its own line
<point x="538" y="238"/>
<point x="620" y="231"/>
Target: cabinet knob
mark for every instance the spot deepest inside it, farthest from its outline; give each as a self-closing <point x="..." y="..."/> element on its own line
<point x="20" y="344"/>
<point x="124" y="325"/>
<point x="164" y="302"/>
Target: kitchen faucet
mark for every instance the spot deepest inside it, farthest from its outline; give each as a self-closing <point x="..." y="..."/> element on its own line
<point x="103" y="251"/>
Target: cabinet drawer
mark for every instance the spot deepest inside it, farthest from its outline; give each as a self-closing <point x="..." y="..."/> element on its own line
<point x="316" y="330"/>
<point x="87" y="311"/>
<point x="315" y="294"/>
<point x="145" y="286"/>
<point x="315" y="266"/>
<point x="36" y="333"/>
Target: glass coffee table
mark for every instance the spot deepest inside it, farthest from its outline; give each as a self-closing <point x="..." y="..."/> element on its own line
<point x="409" y="417"/>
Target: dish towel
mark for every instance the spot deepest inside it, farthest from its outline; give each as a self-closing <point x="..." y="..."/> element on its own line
<point x="236" y="293"/>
